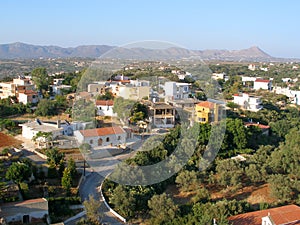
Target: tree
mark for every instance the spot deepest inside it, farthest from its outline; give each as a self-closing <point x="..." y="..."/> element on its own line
<point x="93" y="214"/>
<point x="138" y="112"/>
<point x="66" y="180"/>
<point x="18" y="172"/>
<point x="235" y="138"/>
<point x="46" y="107"/>
<point x="72" y="167"/>
<point x="162" y="209"/>
<point x="232" y="105"/>
<point x="253" y="173"/>
<point x="107" y="96"/>
<point x="229" y="172"/>
<point x="186" y="180"/>
<point x="281" y="187"/>
<point x="123" y="108"/>
<point x="54" y="157"/>
<point x="201" y="96"/>
<point x="41" y="79"/>
<point x="123" y="201"/>
<point x="202" y="195"/>
<point x="61" y="101"/>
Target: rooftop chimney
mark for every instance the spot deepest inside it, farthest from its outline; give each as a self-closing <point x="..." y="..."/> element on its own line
<point x="58" y="124"/>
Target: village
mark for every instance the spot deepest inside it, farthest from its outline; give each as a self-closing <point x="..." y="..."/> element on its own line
<point x="62" y="135"/>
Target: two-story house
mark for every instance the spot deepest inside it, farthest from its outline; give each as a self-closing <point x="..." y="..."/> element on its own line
<point x="176" y="91"/>
<point x="248" y="102"/>
<point x="207" y="112"/>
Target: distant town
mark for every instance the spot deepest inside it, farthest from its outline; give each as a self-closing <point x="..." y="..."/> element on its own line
<point x="65" y="126"/>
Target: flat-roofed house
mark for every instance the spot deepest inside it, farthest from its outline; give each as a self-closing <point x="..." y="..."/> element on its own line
<point x="31" y="211"/>
<point x="162" y="115"/>
<point x="248" y="102"/>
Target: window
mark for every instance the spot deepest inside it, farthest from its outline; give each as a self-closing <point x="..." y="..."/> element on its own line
<point x="119" y="137"/>
<point x="91" y="142"/>
<point x="107" y="139"/>
<point x="201" y="119"/>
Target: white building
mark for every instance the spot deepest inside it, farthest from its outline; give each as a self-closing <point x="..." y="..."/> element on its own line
<point x="176" y="91"/>
<point x="140" y="83"/>
<point x="58" y="81"/>
<point x="248" y="102"/>
<point x="262" y="84"/>
<point x="129" y="91"/>
<point x="105" y="108"/>
<point x="9" y="89"/>
<point x="217" y="76"/>
<point x="251" y="67"/>
<point x="57" y="128"/>
<point x="28" y="96"/>
<point x="57" y="89"/>
<point x="30" y="129"/>
<point x="104" y="136"/>
<point x="294" y="96"/>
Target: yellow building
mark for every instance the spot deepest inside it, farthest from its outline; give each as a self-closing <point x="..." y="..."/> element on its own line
<point x="206" y="112"/>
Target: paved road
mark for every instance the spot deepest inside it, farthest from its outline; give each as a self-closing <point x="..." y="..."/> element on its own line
<point x="90" y="187"/>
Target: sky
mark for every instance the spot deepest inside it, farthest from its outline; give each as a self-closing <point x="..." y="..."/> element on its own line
<point x="272" y="25"/>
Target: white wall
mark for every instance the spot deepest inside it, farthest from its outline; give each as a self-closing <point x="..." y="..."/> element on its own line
<point x="105" y="110"/>
<point x="93" y="141"/>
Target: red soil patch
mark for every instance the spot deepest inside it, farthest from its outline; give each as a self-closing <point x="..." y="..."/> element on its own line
<point x="179" y="197"/>
<point x="262" y="194"/>
<point x="8" y="141"/>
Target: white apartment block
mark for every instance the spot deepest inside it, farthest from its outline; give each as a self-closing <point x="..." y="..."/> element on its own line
<point x="248" y="102"/>
<point x="176" y="91"/>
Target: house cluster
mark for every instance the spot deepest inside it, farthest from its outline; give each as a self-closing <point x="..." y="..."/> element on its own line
<point x="22" y="88"/>
<point x="162" y="99"/>
<point x="293" y="95"/>
<point x="252" y="102"/>
<point x="58" y="87"/>
<point x="253" y="67"/>
<point x="54" y="130"/>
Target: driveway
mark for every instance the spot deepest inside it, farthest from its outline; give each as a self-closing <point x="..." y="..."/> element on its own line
<point x="28" y="151"/>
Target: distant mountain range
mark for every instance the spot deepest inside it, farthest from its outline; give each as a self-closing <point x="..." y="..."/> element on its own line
<point x="26" y="51"/>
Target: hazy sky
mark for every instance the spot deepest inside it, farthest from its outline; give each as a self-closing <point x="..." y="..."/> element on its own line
<point x="273" y="25"/>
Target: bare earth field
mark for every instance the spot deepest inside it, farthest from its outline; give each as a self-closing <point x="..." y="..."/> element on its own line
<point x="8" y="141"/>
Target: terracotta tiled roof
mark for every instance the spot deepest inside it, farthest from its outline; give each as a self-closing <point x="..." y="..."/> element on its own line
<point x="124" y="81"/>
<point x="261" y="80"/>
<point x="285" y="215"/>
<point x="28" y="92"/>
<point x="206" y="104"/>
<point x="102" y="131"/>
<point x="105" y="102"/>
<point x="261" y="126"/>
